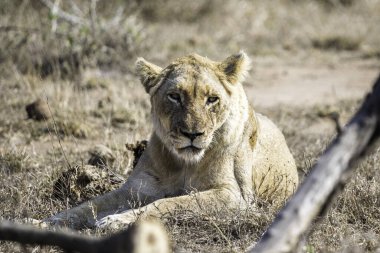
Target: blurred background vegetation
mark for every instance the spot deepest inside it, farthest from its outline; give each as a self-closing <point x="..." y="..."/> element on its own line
<point x="62" y="37"/>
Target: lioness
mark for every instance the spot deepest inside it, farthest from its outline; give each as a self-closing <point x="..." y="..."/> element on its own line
<point x="208" y="146"/>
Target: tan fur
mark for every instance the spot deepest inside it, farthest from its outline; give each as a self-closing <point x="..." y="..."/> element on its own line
<point x="207" y="141"/>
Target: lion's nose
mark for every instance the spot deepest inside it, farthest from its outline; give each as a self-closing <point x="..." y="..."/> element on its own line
<point x="191" y="136"/>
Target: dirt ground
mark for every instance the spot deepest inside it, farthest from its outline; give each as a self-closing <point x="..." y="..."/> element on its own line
<point x="310" y="60"/>
<point x="277" y="83"/>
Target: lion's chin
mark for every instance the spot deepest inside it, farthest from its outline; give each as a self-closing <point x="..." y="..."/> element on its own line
<point x="190" y="154"/>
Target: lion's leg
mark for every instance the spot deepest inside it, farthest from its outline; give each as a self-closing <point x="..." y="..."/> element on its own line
<point x="243" y="173"/>
<point x="131" y="195"/>
<point x="197" y="202"/>
<point x="86" y="214"/>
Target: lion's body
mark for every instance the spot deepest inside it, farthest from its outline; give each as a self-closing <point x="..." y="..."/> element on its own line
<point x="207" y="139"/>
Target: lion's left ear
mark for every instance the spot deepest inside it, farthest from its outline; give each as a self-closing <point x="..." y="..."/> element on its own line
<point x="236" y="67"/>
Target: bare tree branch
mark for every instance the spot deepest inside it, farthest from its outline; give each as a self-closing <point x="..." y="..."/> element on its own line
<point x="148" y="235"/>
<point x="30" y="235"/>
<point x="64" y="15"/>
<point x="327" y="177"/>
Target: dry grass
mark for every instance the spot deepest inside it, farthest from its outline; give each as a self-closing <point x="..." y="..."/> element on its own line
<point x="95" y="98"/>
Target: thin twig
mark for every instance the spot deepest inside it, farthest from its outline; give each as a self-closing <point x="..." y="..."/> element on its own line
<point x="54" y="12"/>
<point x="57" y="134"/>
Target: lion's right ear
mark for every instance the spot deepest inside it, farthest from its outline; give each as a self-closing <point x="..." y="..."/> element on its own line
<point x="147" y="72"/>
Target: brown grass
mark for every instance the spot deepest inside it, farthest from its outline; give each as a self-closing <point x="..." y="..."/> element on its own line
<point x="94" y="97"/>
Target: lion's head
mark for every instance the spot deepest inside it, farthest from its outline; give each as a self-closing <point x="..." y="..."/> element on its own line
<point x="195" y="101"/>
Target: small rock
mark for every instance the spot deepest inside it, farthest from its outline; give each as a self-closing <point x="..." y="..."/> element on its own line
<point x="38" y="110"/>
<point x="101" y="156"/>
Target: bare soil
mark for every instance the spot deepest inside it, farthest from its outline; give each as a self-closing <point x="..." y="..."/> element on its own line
<point x="278" y="83"/>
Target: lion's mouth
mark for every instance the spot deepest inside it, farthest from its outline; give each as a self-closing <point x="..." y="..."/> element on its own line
<point x="190" y="148"/>
<point x="190" y="153"/>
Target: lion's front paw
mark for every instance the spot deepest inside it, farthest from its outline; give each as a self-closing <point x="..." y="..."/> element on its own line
<point x="116" y="221"/>
<point x="64" y="220"/>
<point x="36" y="223"/>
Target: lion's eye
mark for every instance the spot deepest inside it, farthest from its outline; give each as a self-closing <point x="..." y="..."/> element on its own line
<point x="212" y="100"/>
<point x="175" y="97"/>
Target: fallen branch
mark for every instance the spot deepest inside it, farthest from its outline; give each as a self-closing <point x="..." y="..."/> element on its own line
<point x="149" y="236"/>
<point x="326" y="178"/>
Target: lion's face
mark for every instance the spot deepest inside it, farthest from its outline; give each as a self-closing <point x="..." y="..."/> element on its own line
<point x="191" y="100"/>
<point x="188" y="108"/>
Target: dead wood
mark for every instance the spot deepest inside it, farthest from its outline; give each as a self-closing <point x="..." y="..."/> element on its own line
<point x="148" y="236"/>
